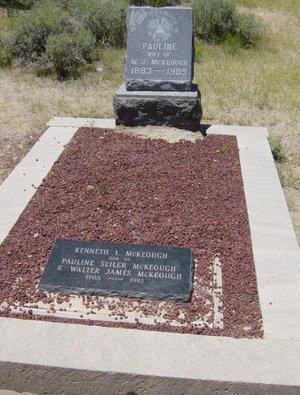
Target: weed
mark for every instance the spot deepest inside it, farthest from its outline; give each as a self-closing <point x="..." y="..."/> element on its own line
<point x="225" y="147"/>
<point x="279" y="150"/>
<point x="104" y="190"/>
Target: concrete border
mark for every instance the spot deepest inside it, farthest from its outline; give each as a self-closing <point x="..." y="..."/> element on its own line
<point x="73" y="359"/>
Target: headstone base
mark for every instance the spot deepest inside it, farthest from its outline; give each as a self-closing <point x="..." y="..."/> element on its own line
<point x="150" y="85"/>
<point x="140" y="108"/>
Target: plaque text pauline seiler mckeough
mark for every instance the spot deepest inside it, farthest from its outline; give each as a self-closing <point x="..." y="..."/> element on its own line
<point x="83" y="267"/>
<point x="160" y="46"/>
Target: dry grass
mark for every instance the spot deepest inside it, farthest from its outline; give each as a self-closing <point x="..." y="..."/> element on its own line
<point x="27" y="103"/>
<point x="286" y="6"/>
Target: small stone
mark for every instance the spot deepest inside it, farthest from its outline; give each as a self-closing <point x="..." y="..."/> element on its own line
<point x="90" y="188"/>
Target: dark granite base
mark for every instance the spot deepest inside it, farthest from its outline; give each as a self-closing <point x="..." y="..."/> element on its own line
<point x="141" y="108"/>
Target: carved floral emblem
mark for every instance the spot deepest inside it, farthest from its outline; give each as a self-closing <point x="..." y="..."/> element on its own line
<point x="160" y="29"/>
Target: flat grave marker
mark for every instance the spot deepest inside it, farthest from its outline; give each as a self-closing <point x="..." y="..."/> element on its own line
<point x="94" y="268"/>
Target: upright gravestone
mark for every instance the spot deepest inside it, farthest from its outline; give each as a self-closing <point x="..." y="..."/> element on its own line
<point x="158" y="87"/>
<point x="160" y="49"/>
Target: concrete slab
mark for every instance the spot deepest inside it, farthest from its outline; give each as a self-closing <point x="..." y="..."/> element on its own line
<point x="19" y="187"/>
<point x="75" y="359"/>
<point x="82" y="122"/>
<point x="275" y="247"/>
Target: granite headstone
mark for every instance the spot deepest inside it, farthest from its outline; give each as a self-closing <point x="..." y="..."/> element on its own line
<point x="159" y="68"/>
<point x="143" y="271"/>
<point x="159" y="49"/>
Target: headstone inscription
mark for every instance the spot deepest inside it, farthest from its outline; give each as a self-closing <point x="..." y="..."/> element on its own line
<point x="160" y="49"/>
<point x="143" y="271"/>
<point x="158" y="88"/>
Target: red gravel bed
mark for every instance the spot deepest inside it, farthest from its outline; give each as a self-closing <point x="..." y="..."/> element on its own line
<point x="116" y="187"/>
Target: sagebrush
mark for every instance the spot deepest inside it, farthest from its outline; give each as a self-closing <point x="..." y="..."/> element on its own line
<point x="67" y="52"/>
<point x="31" y="30"/>
<point x="218" y="20"/>
<point x="62" y="36"/>
<point x="105" y="19"/>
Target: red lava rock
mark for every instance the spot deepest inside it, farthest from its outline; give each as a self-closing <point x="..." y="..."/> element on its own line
<point x="143" y="191"/>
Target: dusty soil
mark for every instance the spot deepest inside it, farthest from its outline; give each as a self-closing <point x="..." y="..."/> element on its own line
<point x="120" y="188"/>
